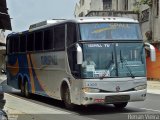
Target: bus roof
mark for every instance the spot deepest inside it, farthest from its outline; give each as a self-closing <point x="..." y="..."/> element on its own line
<point x="81" y="20"/>
<point x="47" y="23"/>
<point x="105" y="19"/>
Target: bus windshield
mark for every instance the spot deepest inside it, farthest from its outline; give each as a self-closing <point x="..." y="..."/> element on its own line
<point x="110" y="31"/>
<point x="113" y="60"/>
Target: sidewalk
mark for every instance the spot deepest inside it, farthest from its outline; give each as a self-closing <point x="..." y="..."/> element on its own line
<point x="153" y="87"/>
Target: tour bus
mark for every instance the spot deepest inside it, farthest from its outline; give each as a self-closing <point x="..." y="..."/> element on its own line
<point x="50" y="59"/>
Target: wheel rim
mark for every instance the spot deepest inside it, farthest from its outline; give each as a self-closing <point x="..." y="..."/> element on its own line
<point x="67" y="97"/>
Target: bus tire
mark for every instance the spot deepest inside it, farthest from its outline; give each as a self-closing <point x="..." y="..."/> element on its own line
<point x="121" y="105"/>
<point x="26" y="90"/>
<point x="67" y="99"/>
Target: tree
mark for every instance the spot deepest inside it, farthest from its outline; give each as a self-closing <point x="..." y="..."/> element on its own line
<point x="146" y="2"/>
<point x="142" y="2"/>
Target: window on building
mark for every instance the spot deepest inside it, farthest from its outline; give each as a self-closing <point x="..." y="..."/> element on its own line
<point x="23" y="43"/>
<point x="82" y="2"/>
<point x="157" y="7"/>
<point x="38" y="40"/>
<point x="126" y="5"/>
<point x="48" y="39"/>
<point x="30" y="42"/>
<point x="59" y="37"/>
<point x="107" y="4"/>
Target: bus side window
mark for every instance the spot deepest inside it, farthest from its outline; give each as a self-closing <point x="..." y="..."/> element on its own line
<point x="38" y="40"/>
<point x="59" y="37"/>
<point x="30" y="42"/>
<point x="48" y="39"/>
<point x="15" y="44"/>
<point x="23" y="43"/>
<point x="71" y="34"/>
<point x="9" y="46"/>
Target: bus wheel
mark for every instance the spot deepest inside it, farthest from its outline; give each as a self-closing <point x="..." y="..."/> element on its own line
<point x="120" y="105"/>
<point x="26" y="90"/>
<point x="67" y="99"/>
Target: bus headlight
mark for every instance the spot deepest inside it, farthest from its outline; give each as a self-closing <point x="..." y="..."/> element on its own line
<point x="141" y="87"/>
<point x="90" y="90"/>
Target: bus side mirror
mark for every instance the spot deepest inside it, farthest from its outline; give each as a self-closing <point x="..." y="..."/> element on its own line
<point x="79" y="54"/>
<point x="152" y="50"/>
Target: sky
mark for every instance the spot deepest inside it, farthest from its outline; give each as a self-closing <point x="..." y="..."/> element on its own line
<point x="27" y="12"/>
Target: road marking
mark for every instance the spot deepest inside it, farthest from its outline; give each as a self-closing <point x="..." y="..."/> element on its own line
<point x="150" y="110"/>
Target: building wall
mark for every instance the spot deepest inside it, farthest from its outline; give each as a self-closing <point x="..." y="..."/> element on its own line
<point x="151" y="24"/>
<point x="114" y="5"/>
<point x="120" y="5"/>
<point x="131" y="4"/>
<point x="96" y="5"/>
<point x="88" y="5"/>
<point x="2" y="51"/>
<point x="82" y="9"/>
<point x="2" y="37"/>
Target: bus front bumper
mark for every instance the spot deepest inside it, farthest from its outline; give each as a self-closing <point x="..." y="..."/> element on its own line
<point x="114" y="97"/>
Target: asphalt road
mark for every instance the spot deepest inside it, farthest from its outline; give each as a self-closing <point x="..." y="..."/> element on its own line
<point x="147" y="110"/>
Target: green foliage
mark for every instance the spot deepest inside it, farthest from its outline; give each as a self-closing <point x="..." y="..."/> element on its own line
<point x="145" y="2"/>
<point x="142" y="2"/>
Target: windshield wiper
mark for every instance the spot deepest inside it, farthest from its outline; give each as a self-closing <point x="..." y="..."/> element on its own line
<point x="126" y="64"/>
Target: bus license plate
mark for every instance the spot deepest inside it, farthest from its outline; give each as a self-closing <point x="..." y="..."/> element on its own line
<point x="117" y="98"/>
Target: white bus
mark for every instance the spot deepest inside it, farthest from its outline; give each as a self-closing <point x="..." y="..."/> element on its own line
<point x="51" y="59"/>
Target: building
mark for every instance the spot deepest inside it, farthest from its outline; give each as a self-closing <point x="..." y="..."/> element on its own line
<point x="150" y="25"/>
<point x="5" y="24"/>
<point x="2" y="50"/>
<point x="85" y="6"/>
